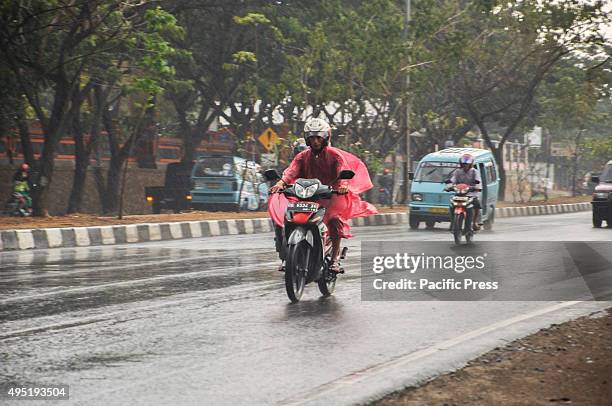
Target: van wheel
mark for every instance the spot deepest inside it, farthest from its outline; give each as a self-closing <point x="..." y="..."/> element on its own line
<point x="414" y="222"/>
<point x="430" y="224"/>
<point x="488" y="225"/>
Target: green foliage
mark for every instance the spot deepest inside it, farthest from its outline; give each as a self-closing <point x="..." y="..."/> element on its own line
<point x="599" y="149"/>
<point x="155" y="69"/>
<point x="505" y="64"/>
<point x="252" y="19"/>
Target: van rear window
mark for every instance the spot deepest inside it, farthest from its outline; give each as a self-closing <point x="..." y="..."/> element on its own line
<point x="214" y="166"/>
<point x="436" y="172"/>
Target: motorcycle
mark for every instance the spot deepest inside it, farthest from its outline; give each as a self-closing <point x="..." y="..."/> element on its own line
<point x="17" y="206"/>
<point x="306" y="239"/>
<point x="462" y="212"/>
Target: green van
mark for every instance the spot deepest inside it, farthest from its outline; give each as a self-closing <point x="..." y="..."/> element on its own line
<point x="221" y="182"/>
<point x="429" y="202"/>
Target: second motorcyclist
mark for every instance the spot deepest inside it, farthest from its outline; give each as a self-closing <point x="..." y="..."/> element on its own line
<point x="470" y="176"/>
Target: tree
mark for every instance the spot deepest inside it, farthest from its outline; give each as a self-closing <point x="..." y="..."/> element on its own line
<point x="344" y="62"/>
<point x="570" y="106"/>
<point x="223" y="71"/>
<point x="47" y="45"/>
<point x="515" y="47"/>
<point x="144" y="74"/>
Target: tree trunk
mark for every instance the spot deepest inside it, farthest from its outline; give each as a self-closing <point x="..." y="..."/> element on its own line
<point x="187" y="134"/>
<point x="100" y="184"/>
<point x="80" y="169"/>
<point x="40" y="193"/>
<point x="82" y="153"/>
<point x="24" y="136"/>
<point x="113" y="181"/>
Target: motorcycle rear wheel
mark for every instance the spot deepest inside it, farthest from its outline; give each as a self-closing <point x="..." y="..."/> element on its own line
<point x="296" y="269"/>
<point x="327" y="284"/>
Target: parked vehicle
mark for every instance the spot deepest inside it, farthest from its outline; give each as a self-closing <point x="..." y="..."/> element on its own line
<point x="429" y="202"/>
<point x="307" y="242"/>
<point x="602" y="197"/>
<point x="222" y="182"/>
<point x="175" y="194"/>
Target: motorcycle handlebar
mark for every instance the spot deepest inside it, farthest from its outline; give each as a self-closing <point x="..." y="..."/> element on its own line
<point x="333" y="191"/>
<point x="452" y="187"/>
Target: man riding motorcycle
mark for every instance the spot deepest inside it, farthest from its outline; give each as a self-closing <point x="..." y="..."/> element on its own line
<point x="469" y="176"/>
<point x="323" y="162"/>
<point x="21" y="184"/>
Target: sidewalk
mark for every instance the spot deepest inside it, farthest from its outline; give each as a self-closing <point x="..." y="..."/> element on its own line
<point x="137" y="230"/>
<point x="570" y="363"/>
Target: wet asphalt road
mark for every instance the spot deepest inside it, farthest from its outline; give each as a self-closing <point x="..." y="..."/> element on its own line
<point x="207" y="321"/>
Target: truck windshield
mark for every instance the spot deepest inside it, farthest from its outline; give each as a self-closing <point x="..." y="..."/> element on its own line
<point x="214" y="166"/>
<point x="436" y="172"/>
<point x="606" y="175"/>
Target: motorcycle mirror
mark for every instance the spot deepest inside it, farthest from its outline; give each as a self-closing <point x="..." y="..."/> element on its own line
<point x="346" y="174"/>
<point x="271" y="175"/>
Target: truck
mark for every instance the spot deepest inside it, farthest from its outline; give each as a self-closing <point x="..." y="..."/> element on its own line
<point x="175" y="195"/>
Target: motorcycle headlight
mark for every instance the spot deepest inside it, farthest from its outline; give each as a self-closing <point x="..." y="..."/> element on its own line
<point x="305" y="193"/>
<point x="417" y="197"/>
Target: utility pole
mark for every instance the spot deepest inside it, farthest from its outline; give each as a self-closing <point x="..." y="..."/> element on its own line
<point x="408" y="166"/>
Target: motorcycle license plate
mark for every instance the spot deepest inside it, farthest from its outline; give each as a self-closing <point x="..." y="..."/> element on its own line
<point x="303" y="206"/>
<point x="438" y="210"/>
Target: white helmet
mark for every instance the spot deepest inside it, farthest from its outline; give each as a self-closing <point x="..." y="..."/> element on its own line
<point x="317" y="127"/>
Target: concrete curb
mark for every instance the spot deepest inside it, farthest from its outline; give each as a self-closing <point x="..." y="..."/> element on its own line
<point x="542" y="210"/>
<point x="136" y="233"/>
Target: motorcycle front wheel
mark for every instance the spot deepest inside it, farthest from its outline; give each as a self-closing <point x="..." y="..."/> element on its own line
<point x="296" y="269"/>
<point x="457" y="227"/>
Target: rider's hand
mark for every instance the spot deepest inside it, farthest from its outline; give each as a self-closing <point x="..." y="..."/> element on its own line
<point x="280" y="185"/>
<point x="342" y="190"/>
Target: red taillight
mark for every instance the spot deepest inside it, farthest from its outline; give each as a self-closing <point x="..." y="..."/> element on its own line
<point x="301" y="218"/>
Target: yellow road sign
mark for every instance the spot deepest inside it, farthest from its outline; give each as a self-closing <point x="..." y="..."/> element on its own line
<point x="269" y="138"/>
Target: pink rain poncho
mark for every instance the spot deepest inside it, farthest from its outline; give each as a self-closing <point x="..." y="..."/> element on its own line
<point x="326" y="167"/>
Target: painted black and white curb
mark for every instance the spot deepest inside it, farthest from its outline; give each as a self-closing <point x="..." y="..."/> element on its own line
<point x="136" y="233"/>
